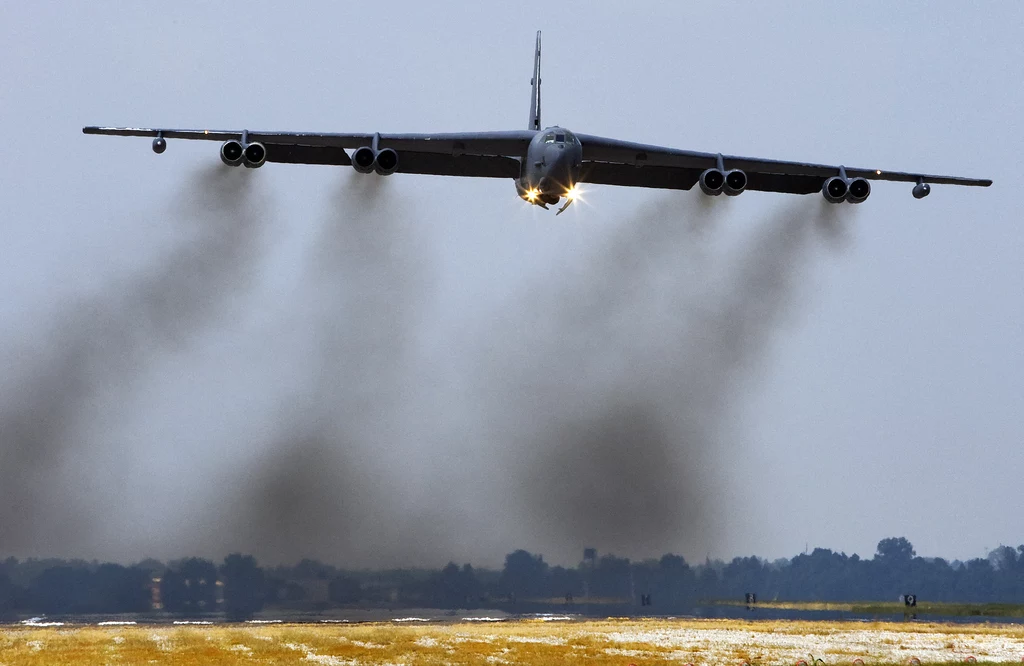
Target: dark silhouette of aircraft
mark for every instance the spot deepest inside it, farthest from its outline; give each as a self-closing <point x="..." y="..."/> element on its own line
<point x="546" y="164"/>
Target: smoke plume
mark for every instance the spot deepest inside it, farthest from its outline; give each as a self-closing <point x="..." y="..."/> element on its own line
<point x="591" y="408"/>
<point x="326" y="486"/>
<point x="99" y="343"/>
<point x="613" y="392"/>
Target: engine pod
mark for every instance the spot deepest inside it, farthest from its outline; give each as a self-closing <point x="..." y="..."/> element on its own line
<point x="859" y="190"/>
<point x="735" y="182"/>
<point x="255" y="155"/>
<point x="711" y="182"/>
<point x="834" y="189"/>
<point x="232" y="153"/>
<point x="385" y="162"/>
<point x="363" y="159"/>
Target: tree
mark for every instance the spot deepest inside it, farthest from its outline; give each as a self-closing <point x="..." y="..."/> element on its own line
<point x="455" y="587"/>
<point x="62" y="590"/>
<point x="612" y="577"/>
<point x="7" y="596"/>
<point x="191" y="588"/>
<point x="344" y="590"/>
<point x="118" y="589"/>
<point x="244" y="586"/>
<point x="895" y="550"/>
<point x="523" y="575"/>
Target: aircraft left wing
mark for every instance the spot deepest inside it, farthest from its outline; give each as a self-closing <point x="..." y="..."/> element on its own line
<point x="481" y="154"/>
<point x="615" y="162"/>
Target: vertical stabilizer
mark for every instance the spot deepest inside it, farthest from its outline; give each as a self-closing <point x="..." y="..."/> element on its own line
<point x="535" y="95"/>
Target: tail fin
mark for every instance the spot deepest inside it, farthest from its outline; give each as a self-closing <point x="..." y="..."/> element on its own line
<point x="535" y="82"/>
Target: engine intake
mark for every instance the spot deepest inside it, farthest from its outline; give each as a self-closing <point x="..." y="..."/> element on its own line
<point x="735" y="182"/>
<point x="921" y="190"/>
<point x="232" y="153"/>
<point x="860" y="189"/>
<point x="712" y="181"/>
<point x="255" y="155"/>
<point x="835" y="189"/>
<point x="386" y="162"/>
<point x="363" y="159"/>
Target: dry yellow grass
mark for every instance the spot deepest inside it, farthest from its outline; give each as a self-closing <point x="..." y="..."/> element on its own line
<point x="620" y="642"/>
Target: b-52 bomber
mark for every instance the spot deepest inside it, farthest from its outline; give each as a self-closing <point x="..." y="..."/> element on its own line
<point x="546" y="164"/>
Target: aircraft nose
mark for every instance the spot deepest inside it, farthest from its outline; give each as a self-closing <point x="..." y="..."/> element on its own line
<point x="560" y="170"/>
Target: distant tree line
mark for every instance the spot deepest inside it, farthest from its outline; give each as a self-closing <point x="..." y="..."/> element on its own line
<point x="239" y="588"/>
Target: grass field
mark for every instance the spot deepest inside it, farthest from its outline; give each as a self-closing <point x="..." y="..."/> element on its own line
<point x="656" y="641"/>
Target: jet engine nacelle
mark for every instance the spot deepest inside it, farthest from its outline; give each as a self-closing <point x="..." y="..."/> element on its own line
<point x="385" y="162"/>
<point x="255" y="155"/>
<point x="859" y="190"/>
<point x="232" y="153"/>
<point x="921" y="190"/>
<point x="363" y="159"/>
<point x="835" y="189"/>
<point x="735" y="182"/>
<point x="712" y="181"/>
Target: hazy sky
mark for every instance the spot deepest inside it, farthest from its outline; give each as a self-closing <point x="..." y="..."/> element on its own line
<point x="190" y="357"/>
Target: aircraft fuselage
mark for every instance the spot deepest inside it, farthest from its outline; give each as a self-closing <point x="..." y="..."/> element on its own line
<point x="551" y="167"/>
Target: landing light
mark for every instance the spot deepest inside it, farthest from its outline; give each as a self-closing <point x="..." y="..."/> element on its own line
<point x="574" y="193"/>
<point x="531" y="195"/>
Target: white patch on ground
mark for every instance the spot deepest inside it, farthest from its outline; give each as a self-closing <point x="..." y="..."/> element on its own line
<point x="115" y="623"/>
<point x="328" y="660"/>
<point x="715" y="646"/>
<point x="545" y="640"/>
<point x="547" y="617"/>
<point x="334" y="621"/>
<point x="40" y="622"/>
<point x="163" y="642"/>
<point x="483" y="619"/>
<point x="241" y="648"/>
<point x="627" y="653"/>
<point x="118" y="640"/>
<point x="427" y="642"/>
<point x="35" y="646"/>
<point x="325" y="659"/>
<point x="464" y="638"/>
<point x="373" y="646"/>
<point x="200" y="622"/>
<point x="263" y="621"/>
<point x="411" y="619"/>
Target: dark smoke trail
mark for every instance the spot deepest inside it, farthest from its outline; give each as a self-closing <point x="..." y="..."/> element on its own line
<point x="623" y="401"/>
<point x="101" y="343"/>
<point x="327" y="487"/>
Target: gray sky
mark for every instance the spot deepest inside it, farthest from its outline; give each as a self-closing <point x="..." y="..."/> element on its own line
<point x="202" y="337"/>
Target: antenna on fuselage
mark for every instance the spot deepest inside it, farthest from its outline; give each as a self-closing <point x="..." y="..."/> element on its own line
<point x="535" y="96"/>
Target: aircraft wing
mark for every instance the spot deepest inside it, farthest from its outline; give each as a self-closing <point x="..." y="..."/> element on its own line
<point x="481" y="154"/>
<point x="615" y="162"/>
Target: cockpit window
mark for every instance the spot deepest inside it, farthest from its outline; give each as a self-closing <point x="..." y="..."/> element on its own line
<point x="570" y="137"/>
<point x="560" y="138"/>
<point x="549" y="138"/>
